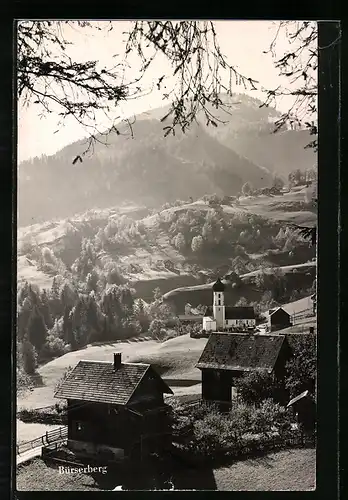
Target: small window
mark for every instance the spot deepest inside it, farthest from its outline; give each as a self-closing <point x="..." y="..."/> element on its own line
<point x="219" y="302"/>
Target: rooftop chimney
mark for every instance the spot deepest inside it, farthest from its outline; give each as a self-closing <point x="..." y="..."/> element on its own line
<point x="117" y="360"/>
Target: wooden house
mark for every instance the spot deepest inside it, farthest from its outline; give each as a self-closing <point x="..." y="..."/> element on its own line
<point x="116" y="409"/>
<point x="228" y="356"/>
<point x="278" y="319"/>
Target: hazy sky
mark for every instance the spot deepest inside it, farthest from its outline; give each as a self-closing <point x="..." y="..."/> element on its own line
<point x="242" y="42"/>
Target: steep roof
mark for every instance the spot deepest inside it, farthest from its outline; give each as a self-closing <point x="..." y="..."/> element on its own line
<point x="230" y="351"/>
<point x="272" y="311"/>
<point x="99" y="382"/>
<point x="218" y="286"/>
<point x="234" y="312"/>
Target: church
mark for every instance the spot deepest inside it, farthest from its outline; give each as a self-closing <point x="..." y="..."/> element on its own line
<point x="220" y="317"/>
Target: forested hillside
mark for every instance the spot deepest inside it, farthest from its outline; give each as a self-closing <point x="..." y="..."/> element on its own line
<point x="144" y="167"/>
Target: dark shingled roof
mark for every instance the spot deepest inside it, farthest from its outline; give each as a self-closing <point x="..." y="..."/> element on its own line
<point x="234" y="312"/>
<point x="218" y="286"/>
<point x="97" y="381"/>
<point x="230" y="351"/>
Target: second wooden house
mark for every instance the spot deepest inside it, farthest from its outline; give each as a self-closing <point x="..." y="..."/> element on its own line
<point x="228" y="356"/>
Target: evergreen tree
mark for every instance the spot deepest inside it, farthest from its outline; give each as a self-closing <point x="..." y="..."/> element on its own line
<point x="23" y="292"/>
<point x="141" y="315"/>
<point x="92" y="281"/>
<point x="45" y="309"/>
<point x="69" y="338"/>
<point x="37" y="330"/>
<point x="29" y="356"/>
<point x="23" y="315"/>
<point x="93" y="318"/>
<point x="80" y="325"/>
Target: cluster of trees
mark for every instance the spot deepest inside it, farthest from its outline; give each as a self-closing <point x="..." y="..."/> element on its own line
<point x="298" y="177"/>
<point x="192" y="231"/>
<point x="53" y="322"/>
<point x="277" y="185"/>
<point x="287" y="239"/>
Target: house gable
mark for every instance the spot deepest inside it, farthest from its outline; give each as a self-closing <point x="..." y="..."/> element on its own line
<point x="150" y="388"/>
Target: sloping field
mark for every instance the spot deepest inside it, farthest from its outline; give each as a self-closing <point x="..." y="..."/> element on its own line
<point x="286" y="269"/>
<point x="281" y="208"/>
<point x="298" y="305"/>
<point x="207" y="286"/>
<point x="27" y="271"/>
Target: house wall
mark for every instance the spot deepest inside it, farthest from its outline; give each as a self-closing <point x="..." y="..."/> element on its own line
<point x="209" y="325"/>
<point x="101" y="423"/>
<point x="106" y="426"/>
<point x="148" y="391"/>
<point x="216" y="385"/>
<point x="279" y="319"/>
<point x="240" y="323"/>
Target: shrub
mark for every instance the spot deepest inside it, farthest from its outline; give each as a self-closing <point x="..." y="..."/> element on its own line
<point x="55" y="414"/>
<point x="254" y="387"/>
<point x="197" y="243"/>
<point x="157" y="329"/>
<point x="205" y="434"/>
<point x="53" y="348"/>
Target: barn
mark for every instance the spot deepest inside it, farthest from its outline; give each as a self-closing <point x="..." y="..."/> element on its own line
<point x="116" y="409"/>
<point x="228" y="356"/>
<point x="278" y="319"/>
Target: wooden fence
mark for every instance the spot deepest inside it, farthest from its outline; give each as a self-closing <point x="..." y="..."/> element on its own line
<point x="305" y="313"/>
<point x="54" y="436"/>
<point x="247" y="449"/>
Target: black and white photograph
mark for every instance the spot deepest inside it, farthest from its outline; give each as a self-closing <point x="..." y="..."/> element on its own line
<point x="166" y="323"/>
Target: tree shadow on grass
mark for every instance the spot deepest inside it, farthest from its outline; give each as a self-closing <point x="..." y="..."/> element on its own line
<point x="37" y="380"/>
<point x="164" y="475"/>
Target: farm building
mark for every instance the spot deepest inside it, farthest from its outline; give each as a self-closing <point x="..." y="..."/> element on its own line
<point x="277" y="319"/>
<point x="223" y="318"/>
<point x="228" y="356"/>
<point x="116" y="409"/>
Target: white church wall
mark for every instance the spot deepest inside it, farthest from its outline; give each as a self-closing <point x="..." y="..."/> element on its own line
<point x="209" y="324"/>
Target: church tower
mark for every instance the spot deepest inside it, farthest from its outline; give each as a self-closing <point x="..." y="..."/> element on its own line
<point x="219" y="304"/>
